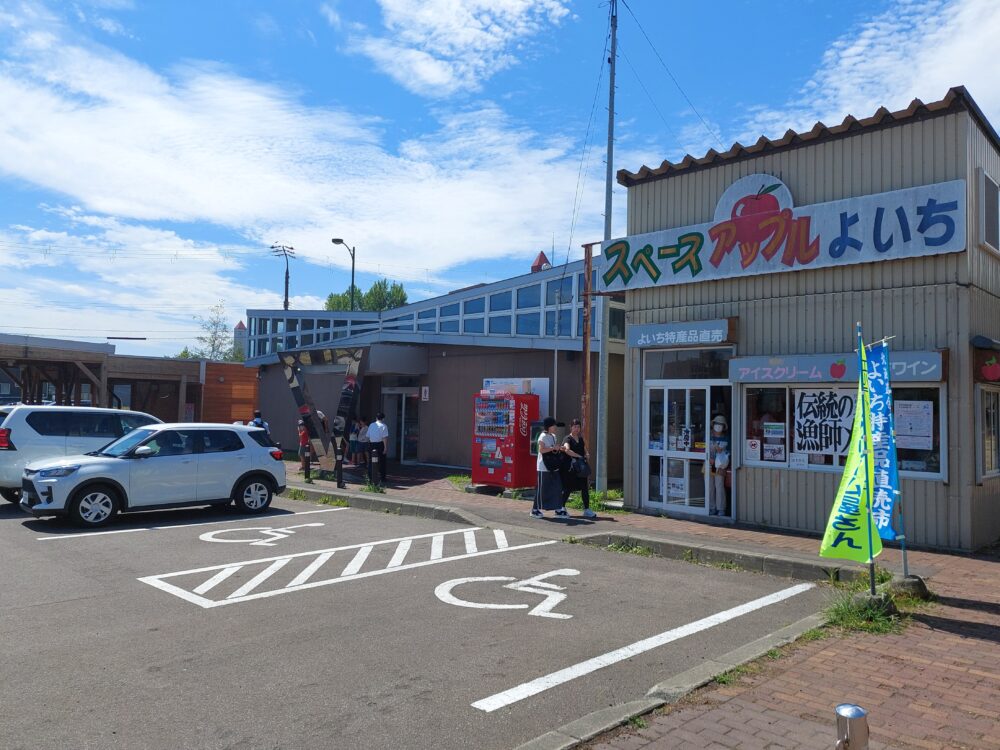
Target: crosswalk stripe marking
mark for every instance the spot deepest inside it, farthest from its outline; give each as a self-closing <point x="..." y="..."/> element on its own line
<point x="216" y="579"/>
<point x="258" y="579"/>
<point x="306" y="574"/>
<point x="501" y="538"/>
<point x="359" y="559"/>
<point x="400" y="554"/>
<point x="470" y="542"/>
<point x="437" y="547"/>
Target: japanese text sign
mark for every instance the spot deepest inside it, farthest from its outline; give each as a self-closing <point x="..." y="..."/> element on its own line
<point x="821" y="421"/>
<point x="913" y="367"/>
<point x="758" y="230"/>
<point x="698" y="333"/>
<point x="886" y="472"/>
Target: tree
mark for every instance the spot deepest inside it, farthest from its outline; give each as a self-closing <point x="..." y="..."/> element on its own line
<point x="380" y="296"/>
<point x="216" y="341"/>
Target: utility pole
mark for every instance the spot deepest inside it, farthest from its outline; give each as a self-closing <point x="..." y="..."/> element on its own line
<point x="288" y="252"/>
<point x="602" y="357"/>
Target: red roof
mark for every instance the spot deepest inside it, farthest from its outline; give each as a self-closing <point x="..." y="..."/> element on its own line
<point x="957" y="99"/>
<point x="240" y="326"/>
<point x="541" y="260"/>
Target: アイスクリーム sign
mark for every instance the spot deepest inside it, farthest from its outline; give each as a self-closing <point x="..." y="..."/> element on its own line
<point x="758" y="230"/>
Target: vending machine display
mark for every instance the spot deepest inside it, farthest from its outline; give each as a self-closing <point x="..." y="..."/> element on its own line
<point x="501" y="435"/>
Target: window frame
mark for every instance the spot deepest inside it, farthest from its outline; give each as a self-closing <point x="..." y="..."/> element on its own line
<point x="981" y="474"/>
<point x="982" y="179"/>
<point x="836" y="467"/>
<point x="527" y="290"/>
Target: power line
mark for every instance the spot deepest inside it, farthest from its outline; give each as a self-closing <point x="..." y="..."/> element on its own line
<point x="715" y="136"/>
<point x="652" y="101"/>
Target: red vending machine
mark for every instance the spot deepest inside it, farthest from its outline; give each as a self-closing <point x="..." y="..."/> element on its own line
<point x="501" y="435"/>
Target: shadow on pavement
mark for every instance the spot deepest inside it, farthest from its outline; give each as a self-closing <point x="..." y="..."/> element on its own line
<point x="991" y="608"/>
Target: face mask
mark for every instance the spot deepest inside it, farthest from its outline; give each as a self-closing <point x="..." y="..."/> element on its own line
<point x="718" y="428"/>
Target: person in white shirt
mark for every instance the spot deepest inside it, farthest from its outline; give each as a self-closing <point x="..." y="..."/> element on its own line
<point x="548" y="489"/>
<point x="378" y="439"/>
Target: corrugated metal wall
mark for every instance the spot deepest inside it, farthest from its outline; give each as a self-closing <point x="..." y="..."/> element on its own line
<point x="925" y="303"/>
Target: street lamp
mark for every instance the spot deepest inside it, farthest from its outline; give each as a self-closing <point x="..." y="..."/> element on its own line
<point x="338" y="241"/>
<point x="287" y="251"/>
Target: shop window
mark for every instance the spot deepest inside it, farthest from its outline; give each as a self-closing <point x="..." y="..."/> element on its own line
<point x="448" y="310"/>
<point x="500" y="324"/>
<point x="500" y="301"/>
<point x="473" y="325"/>
<point x="767" y="425"/>
<point x="529" y="296"/>
<point x="424" y="314"/>
<point x="449" y="326"/>
<point x="474" y="306"/>
<point x="989" y="432"/>
<point x="616" y="323"/>
<point x="559" y="291"/>
<point x="684" y="364"/>
<point x="917" y="420"/>
<point x="527" y="324"/>
<point x="565" y="320"/>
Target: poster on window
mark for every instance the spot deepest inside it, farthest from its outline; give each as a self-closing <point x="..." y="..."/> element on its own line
<point x="914" y="424"/>
<point x="821" y="421"/>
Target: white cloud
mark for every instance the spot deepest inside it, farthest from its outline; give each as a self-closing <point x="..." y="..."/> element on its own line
<point x="915" y="49"/>
<point x="329" y="12"/>
<point x="436" y="48"/>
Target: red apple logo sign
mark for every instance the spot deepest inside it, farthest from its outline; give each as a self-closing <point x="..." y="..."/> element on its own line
<point x="838" y="369"/>
<point x="991" y="370"/>
<point x="748" y="214"/>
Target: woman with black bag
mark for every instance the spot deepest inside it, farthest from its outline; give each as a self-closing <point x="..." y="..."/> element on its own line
<point x="576" y="478"/>
<point x="548" y="490"/>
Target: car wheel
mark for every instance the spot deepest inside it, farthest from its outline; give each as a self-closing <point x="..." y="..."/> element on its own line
<point x="10" y="494"/>
<point x="253" y="495"/>
<point x="93" y="506"/>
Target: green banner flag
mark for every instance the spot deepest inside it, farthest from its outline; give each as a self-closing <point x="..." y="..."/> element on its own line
<point x="849" y="531"/>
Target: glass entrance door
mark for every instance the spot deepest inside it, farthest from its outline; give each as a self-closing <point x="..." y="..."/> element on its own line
<point x="676" y="442"/>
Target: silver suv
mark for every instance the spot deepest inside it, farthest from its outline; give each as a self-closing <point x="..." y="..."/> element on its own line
<point x="32" y="432"/>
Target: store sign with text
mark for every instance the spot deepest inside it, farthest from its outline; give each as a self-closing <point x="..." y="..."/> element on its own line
<point x="913" y="367"/>
<point x="757" y="229"/>
<point x="821" y="421"/>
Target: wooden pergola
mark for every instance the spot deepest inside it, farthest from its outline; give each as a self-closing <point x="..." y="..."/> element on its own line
<point x="67" y="365"/>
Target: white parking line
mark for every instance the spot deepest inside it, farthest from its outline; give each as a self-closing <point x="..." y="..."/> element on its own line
<point x="245" y="519"/>
<point x="540" y="684"/>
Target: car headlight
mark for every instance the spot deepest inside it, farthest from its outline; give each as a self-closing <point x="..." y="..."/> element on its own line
<point x="59" y="471"/>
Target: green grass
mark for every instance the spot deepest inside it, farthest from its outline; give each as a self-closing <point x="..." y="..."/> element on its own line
<point x="459" y="481"/>
<point x="774" y="654"/>
<point x="630" y="548"/>
<point x="814" y="634"/>
<point x="689" y="556"/>
<point x="376" y="488"/>
<point x="637" y="722"/>
<point x="571" y="540"/>
<point x="860" y="615"/>
<point x="294" y="493"/>
<point x="732" y="675"/>
<point x="861" y="583"/>
<point x="598" y="502"/>
<point x="336" y="502"/>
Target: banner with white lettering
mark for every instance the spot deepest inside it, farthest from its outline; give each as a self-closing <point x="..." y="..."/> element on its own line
<point x="886" y="488"/>
<point x="822" y="420"/>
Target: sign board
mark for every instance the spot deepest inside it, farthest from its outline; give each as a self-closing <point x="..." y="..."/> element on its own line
<point x="821" y="421"/>
<point x="697" y="333"/>
<point x="538" y="386"/>
<point x="757" y="229"/>
<point x="833" y="368"/>
<point x="914" y="424"/>
<point x="425" y="393"/>
<point x="752" y="450"/>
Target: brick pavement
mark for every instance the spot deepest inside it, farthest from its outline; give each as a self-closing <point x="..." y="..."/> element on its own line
<point x="935" y="685"/>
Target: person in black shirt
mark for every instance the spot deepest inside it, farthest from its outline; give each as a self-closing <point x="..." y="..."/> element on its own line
<point x="576" y="448"/>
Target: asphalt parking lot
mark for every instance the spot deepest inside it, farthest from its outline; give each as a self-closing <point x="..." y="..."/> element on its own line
<point x="325" y="627"/>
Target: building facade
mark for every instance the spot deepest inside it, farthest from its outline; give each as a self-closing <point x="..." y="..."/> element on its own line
<point x="424" y="362"/>
<point x="744" y="274"/>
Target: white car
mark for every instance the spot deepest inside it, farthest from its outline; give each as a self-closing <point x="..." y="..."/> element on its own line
<point x="158" y="466"/>
<point x="31" y="432"/>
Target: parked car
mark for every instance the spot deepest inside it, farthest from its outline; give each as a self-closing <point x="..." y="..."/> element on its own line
<point x="158" y="466"/>
<point x="29" y="432"/>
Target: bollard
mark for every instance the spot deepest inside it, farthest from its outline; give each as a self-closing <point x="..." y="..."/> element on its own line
<point x="852" y="727"/>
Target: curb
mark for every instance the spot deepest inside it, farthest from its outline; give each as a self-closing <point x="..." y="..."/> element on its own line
<point x="669" y="691"/>
<point x="783" y="566"/>
<point x="379" y="504"/>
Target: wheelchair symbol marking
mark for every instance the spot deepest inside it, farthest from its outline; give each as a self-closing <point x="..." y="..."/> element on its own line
<point x="534" y="585"/>
<point x="265" y="536"/>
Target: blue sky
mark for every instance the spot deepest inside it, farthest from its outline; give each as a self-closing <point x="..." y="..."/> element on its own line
<point x="151" y="151"/>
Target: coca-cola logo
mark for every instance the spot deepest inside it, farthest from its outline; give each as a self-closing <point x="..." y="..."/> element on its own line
<point x="522" y="421"/>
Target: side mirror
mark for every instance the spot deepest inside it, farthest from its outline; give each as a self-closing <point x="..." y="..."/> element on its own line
<point x="143" y="451"/>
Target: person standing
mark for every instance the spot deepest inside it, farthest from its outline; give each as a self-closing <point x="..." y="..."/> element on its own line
<point x="378" y="439"/>
<point x="363" y="441"/>
<point x="258" y="421"/>
<point x="548" y="488"/>
<point x="718" y="463"/>
<point x="575" y="447"/>
<point x="352" y="442"/>
<point x="304" y="447"/>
